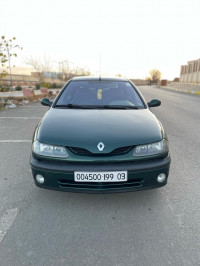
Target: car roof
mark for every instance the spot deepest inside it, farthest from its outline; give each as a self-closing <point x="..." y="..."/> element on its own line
<point x="88" y="78"/>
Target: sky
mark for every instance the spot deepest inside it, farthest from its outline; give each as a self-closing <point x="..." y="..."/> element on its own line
<point x="129" y="37"/>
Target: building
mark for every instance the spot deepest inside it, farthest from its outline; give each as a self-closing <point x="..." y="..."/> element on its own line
<point x="190" y="73"/>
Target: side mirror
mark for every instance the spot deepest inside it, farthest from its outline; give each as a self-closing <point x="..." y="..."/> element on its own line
<point x="46" y="102"/>
<point x="154" y="103"/>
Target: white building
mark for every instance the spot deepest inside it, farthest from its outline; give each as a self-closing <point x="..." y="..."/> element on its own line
<point x="190" y="73"/>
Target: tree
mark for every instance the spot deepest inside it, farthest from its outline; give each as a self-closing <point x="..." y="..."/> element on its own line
<point x="68" y="70"/>
<point x="41" y="66"/>
<point x="81" y="71"/>
<point x="64" y="69"/>
<point x="5" y="55"/>
<point x="155" y="75"/>
<point x="118" y="75"/>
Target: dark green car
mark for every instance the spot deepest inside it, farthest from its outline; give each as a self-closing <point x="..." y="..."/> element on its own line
<point x="100" y="136"/>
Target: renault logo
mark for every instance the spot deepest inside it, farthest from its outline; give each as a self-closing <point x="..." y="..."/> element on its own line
<point x="100" y="146"/>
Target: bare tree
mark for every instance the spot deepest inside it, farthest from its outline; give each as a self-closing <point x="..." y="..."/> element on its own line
<point x="40" y="65"/>
<point x="68" y="69"/>
<point x="65" y="69"/>
<point x="155" y="75"/>
<point x="118" y="75"/>
<point x="81" y="71"/>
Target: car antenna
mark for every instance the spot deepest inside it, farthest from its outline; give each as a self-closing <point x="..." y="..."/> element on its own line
<point x="100" y="67"/>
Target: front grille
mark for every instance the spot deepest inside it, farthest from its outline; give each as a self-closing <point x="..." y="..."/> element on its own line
<point x="79" y="151"/>
<point x="121" y="150"/>
<point x="118" y="151"/>
<point x="133" y="183"/>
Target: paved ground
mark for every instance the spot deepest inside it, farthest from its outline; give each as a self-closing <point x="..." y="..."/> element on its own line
<point x="156" y="227"/>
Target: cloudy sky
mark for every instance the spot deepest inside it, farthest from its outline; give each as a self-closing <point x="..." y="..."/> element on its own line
<point x="131" y="36"/>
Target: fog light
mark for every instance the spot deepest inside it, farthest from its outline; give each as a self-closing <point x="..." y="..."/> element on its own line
<point x="161" y="178"/>
<point x="40" y="179"/>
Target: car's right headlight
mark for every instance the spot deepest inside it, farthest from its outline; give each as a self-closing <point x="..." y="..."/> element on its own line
<point x="44" y="149"/>
<point x="151" y="149"/>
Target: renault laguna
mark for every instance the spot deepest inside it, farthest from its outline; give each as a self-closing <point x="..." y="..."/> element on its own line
<point x="99" y="135"/>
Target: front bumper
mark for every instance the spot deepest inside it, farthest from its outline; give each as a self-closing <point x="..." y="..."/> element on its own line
<point x="60" y="176"/>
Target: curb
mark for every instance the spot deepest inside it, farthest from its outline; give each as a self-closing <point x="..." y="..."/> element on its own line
<point x="15" y="101"/>
<point x="181" y="91"/>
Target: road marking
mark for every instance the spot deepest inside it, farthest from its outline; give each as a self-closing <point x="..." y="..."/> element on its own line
<point x="6" y="221"/>
<point x="19" y="117"/>
<point x="15" y="141"/>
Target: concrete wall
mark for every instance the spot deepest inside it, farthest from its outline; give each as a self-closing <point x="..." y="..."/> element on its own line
<point x="140" y="82"/>
<point x="184" y="86"/>
<point x="27" y="80"/>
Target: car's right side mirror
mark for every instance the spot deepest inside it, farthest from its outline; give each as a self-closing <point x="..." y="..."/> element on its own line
<point x="154" y="103"/>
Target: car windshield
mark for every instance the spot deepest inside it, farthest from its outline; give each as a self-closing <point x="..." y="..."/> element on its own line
<point x="100" y="94"/>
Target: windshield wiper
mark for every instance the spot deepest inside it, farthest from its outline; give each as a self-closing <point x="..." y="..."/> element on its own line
<point x="76" y="106"/>
<point x="119" y="107"/>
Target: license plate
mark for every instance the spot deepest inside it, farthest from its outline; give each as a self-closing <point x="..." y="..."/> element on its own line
<point x="100" y="176"/>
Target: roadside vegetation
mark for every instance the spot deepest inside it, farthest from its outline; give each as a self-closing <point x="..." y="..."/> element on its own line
<point x="8" y="49"/>
<point x="154" y="77"/>
<point x="45" y="69"/>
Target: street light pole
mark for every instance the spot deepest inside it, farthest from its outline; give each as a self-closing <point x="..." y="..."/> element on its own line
<point x="8" y="51"/>
<point x="11" y="82"/>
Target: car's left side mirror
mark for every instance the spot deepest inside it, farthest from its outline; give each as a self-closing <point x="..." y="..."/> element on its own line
<point x="46" y="102"/>
<point x="154" y="103"/>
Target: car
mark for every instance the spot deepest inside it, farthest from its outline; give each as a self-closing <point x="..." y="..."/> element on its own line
<point x="100" y="136"/>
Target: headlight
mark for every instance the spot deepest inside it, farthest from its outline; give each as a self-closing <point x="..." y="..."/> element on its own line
<point x="151" y="149"/>
<point x="49" y="150"/>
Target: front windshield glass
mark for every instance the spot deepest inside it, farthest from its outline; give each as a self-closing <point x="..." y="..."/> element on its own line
<point x="100" y="94"/>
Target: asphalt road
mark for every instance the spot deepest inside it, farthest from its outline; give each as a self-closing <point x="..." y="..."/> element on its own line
<point x="155" y="227"/>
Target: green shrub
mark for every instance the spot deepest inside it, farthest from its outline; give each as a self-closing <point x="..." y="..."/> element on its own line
<point x="18" y="88"/>
<point x="37" y="86"/>
<point x="53" y="86"/>
<point x="4" y="88"/>
<point x="46" y="85"/>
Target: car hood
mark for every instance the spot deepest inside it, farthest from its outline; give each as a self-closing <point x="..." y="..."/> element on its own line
<point x="85" y="128"/>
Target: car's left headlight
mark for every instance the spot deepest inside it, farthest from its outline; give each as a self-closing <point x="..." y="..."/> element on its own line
<point x="151" y="149"/>
<point x="49" y="150"/>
